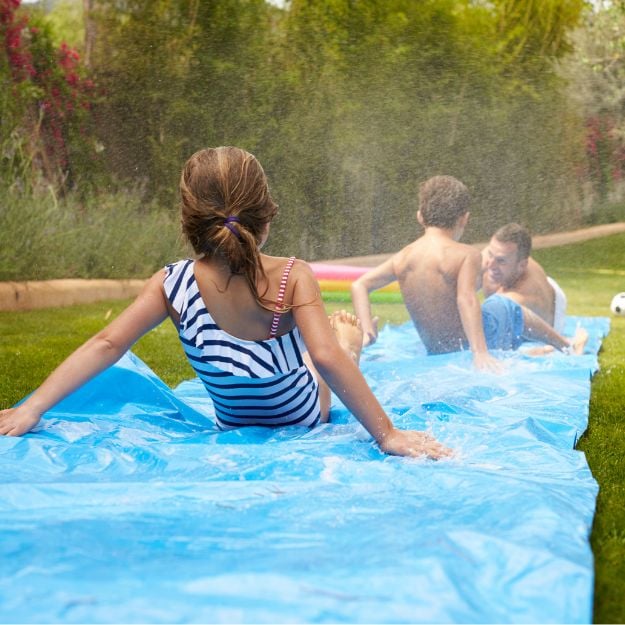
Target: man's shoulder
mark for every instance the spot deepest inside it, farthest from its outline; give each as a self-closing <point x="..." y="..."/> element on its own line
<point x="535" y="269"/>
<point x="534" y="278"/>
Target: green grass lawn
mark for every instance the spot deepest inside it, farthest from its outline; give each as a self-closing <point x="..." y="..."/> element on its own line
<point x="591" y="274"/>
<point x="32" y="343"/>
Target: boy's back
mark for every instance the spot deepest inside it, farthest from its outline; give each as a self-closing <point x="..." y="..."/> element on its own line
<point x="438" y="277"/>
<point x="429" y="271"/>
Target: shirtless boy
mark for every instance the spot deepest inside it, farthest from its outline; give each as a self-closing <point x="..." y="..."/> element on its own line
<point x="510" y="271"/>
<point x="439" y="278"/>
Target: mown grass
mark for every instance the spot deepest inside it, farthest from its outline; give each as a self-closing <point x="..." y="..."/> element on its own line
<point x="591" y="273"/>
<point x="32" y="343"/>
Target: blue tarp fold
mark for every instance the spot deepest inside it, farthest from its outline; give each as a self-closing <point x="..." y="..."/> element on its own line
<point x="126" y="504"/>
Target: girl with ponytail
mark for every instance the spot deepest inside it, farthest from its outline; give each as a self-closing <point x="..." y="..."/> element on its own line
<point x="253" y="326"/>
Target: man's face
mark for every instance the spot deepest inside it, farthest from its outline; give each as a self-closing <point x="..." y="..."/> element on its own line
<point x="502" y="263"/>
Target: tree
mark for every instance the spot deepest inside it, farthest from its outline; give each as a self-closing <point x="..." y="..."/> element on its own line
<point x="595" y="73"/>
<point x="348" y="104"/>
<point x="46" y="102"/>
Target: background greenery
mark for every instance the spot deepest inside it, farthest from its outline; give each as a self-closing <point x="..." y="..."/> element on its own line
<point x="349" y="105"/>
<point x="32" y="343"/>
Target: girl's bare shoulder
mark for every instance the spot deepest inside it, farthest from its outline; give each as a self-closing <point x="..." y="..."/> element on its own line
<point x="277" y="264"/>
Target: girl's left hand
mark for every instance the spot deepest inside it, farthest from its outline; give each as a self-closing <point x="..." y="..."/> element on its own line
<point x="414" y="444"/>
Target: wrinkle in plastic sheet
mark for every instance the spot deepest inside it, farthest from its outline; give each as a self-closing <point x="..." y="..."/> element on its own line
<point x="126" y="504"/>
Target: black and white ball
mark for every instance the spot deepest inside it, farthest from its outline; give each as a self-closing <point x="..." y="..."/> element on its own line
<point x="618" y="304"/>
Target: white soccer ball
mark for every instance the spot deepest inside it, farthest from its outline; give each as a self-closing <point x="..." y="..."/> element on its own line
<point x="618" y="304"/>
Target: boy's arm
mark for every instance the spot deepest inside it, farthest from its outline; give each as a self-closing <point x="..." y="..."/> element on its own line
<point x="471" y="312"/>
<point x="488" y="288"/>
<point x="370" y="281"/>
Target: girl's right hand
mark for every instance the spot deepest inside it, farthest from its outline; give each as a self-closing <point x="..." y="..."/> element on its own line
<point x="17" y="421"/>
<point x="414" y="444"/>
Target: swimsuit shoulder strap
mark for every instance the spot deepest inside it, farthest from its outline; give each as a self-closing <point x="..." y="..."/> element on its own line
<point x="280" y="299"/>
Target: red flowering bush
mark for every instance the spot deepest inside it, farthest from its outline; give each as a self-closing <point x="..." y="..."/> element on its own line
<point x="51" y="98"/>
<point x="605" y="152"/>
<point x="13" y="27"/>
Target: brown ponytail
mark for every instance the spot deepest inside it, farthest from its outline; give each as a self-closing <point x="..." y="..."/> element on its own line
<point x="226" y="205"/>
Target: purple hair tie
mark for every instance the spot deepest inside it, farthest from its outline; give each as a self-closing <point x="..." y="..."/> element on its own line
<point x="232" y="220"/>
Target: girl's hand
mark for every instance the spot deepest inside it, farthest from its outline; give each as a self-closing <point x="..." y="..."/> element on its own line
<point x="17" y="421"/>
<point x="414" y="444"/>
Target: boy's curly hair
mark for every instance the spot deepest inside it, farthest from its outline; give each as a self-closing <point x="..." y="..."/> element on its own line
<point x="442" y="200"/>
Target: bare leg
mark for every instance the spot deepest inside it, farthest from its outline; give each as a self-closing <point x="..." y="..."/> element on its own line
<point x="541" y="350"/>
<point x="579" y="340"/>
<point x="536" y="329"/>
<point x="349" y="335"/>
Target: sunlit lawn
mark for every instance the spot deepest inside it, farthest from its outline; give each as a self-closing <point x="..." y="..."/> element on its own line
<point x="591" y="274"/>
<point x="32" y="343"/>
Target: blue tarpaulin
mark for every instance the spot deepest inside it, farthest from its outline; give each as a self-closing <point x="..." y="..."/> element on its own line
<point x="127" y="505"/>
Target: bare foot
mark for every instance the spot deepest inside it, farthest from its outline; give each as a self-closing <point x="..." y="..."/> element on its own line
<point x="579" y="340"/>
<point x="348" y="332"/>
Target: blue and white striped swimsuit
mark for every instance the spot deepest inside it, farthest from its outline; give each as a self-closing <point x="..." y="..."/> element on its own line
<point x="250" y="382"/>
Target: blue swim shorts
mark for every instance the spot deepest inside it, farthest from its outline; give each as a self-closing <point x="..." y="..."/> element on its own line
<point x="502" y="319"/>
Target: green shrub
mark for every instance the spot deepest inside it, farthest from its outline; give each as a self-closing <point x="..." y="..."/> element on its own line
<point x="106" y="236"/>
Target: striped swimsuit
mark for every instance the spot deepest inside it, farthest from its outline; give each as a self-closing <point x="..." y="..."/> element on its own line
<point x="250" y="382"/>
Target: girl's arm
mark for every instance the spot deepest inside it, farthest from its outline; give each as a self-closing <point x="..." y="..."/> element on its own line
<point x="98" y="353"/>
<point x="343" y="376"/>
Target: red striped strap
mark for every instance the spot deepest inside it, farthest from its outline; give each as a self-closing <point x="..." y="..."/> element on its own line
<point x="280" y="299"/>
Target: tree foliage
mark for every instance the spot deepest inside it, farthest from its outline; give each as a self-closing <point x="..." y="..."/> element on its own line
<point x="349" y="104"/>
<point x="595" y="73"/>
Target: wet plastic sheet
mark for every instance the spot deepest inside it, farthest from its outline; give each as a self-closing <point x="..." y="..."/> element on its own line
<point x="127" y="505"/>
